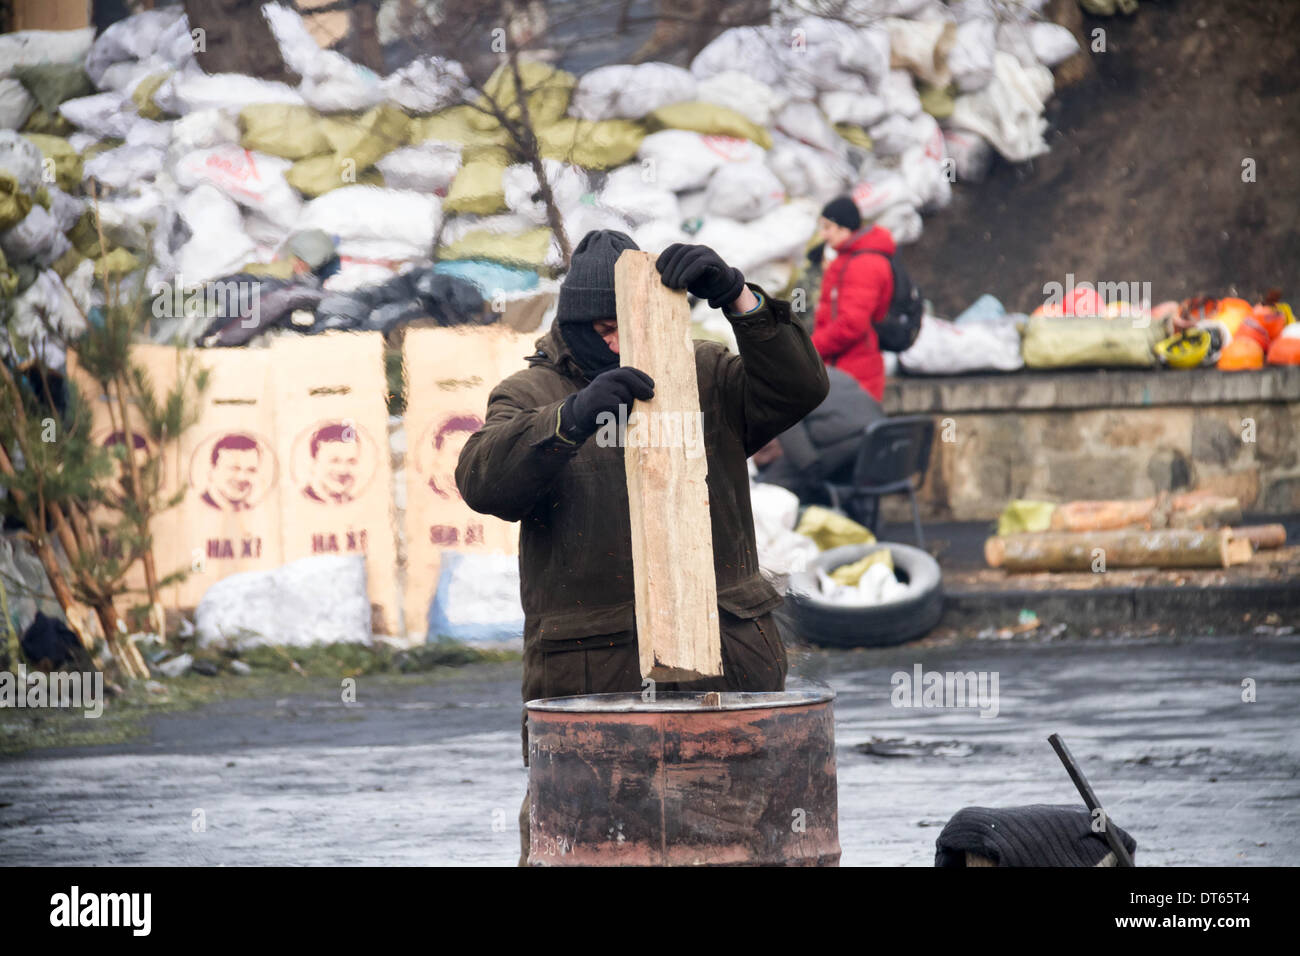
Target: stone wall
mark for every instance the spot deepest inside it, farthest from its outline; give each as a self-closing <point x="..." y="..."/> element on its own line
<point x="1104" y="434"/>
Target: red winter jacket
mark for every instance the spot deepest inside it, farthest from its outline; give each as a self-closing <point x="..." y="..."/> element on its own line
<point x="864" y="285"/>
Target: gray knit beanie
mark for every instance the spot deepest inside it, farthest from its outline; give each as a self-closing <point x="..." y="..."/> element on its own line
<point x="587" y="293"/>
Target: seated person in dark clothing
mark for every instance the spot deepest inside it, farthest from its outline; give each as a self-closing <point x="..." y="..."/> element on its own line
<point x="824" y="444"/>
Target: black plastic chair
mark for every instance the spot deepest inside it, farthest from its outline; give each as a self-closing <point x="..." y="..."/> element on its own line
<point x="894" y="451"/>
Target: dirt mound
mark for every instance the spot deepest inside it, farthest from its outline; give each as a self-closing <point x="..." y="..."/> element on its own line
<point x="1144" y="182"/>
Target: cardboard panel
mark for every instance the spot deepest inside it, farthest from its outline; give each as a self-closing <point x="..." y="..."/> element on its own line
<point x="230" y="518"/>
<point x="449" y="373"/>
<point x="331" y="440"/>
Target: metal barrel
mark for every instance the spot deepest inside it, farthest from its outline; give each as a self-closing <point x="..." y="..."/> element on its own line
<point x="683" y="779"/>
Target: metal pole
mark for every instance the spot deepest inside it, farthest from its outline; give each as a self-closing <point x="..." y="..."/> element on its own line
<point x="1090" y="799"/>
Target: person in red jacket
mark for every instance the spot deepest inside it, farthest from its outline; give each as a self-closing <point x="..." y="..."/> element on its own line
<point x="855" y="294"/>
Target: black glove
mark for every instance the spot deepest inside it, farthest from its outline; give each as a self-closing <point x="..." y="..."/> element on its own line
<point x="605" y="393"/>
<point x="701" y="272"/>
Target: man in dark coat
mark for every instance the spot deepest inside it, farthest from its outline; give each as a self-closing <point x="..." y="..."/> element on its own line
<point x="533" y="462"/>
<point x="825" y="444"/>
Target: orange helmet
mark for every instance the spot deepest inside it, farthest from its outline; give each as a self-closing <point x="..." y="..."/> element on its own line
<point x="1241" y="353"/>
<point x="1232" y="312"/>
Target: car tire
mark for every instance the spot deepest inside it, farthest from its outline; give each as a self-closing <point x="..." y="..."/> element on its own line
<point x="882" y="625"/>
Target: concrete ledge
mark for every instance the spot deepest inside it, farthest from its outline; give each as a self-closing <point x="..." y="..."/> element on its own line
<point x="1101" y="388"/>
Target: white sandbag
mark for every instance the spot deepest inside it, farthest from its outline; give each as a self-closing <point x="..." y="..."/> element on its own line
<point x="628" y="194"/>
<point x="775" y="509"/>
<point x="859" y="109"/>
<point x="368" y="212"/>
<point x="36" y="239"/>
<point x="893" y="135"/>
<point x="779" y="234"/>
<point x="65" y="209"/>
<point x="682" y="159"/>
<point x="751" y="98"/>
<point x="926" y="175"/>
<point x="744" y="191"/>
<point x="82" y="141"/>
<point x="218" y="245"/>
<point x="880" y="189"/>
<point x="830" y="48"/>
<point x="128" y="219"/>
<point x="945" y="348"/>
<point x="254" y="180"/>
<point x="625" y="91"/>
<point x="425" y="85"/>
<point x="658" y="234"/>
<point x="1008" y="112"/>
<point x="971" y="57"/>
<point x="183" y="93"/>
<point x="137" y="37"/>
<point x="902" y="221"/>
<point x="41" y="47"/>
<point x="1052" y="43"/>
<point x="103" y="114"/>
<point x="775" y="274"/>
<point x="971" y="154"/>
<point x="429" y="167"/>
<point x="203" y="129"/>
<point x="1014" y="38"/>
<point x="692" y="204"/>
<point x="16" y="104"/>
<point x="519" y="184"/>
<point x="356" y="274"/>
<point x="477" y="600"/>
<point x="806" y="171"/>
<point x="899" y="93"/>
<point x="582" y="219"/>
<point x="145" y="132"/>
<point x="803" y="121"/>
<point x="330" y="81"/>
<point x="20" y="158"/>
<point x="46" y="303"/>
<point x="751" y="50"/>
<point x="125" y="166"/>
<point x="123" y="77"/>
<point x="921" y="47"/>
<point x="502" y="224"/>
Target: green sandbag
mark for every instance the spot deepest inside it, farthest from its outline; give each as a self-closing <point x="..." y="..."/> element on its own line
<point x="85" y="237"/>
<point x="591" y="145"/>
<point x="830" y="529"/>
<point x="457" y="124"/>
<point x="8" y="278"/>
<point x="52" y="83"/>
<point x="1074" y="342"/>
<point x="709" y="118"/>
<point x="119" y="262"/>
<point x="549" y="92"/>
<point x="477" y="189"/>
<point x="938" y="101"/>
<point x="1022" y="515"/>
<point x="142" y="95"/>
<point x="850" y="574"/>
<point x="283" y="129"/>
<point x="366" y="138"/>
<point x="50" y="123"/>
<point x="67" y="162"/>
<point x="317" y="175"/>
<point x="14" y="203"/>
<point x="854" y="134"/>
<point x="526" y="249"/>
<point x="67" y="263"/>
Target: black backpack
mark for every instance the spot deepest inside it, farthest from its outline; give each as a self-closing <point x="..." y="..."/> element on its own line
<point x="902" y="323"/>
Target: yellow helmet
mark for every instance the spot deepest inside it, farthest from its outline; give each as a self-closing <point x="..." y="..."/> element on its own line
<point x="1187" y="349"/>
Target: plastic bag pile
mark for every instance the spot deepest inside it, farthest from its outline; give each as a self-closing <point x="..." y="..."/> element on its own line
<point x="202" y="175"/>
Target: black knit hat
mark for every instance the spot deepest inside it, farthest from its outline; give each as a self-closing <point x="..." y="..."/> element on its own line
<point x="587" y="293"/>
<point x="843" y="211"/>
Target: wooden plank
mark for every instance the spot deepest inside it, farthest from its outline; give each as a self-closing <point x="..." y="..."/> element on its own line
<point x="668" y="498"/>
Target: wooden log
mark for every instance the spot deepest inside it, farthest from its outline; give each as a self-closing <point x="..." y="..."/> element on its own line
<point x="668" y="498"/>
<point x="1262" y="536"/>
<point x="1103" y="515"/>
<point x="1097" y="550"/>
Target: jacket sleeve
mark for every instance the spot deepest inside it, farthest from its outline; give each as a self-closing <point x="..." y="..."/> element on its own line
<point x="776" y="379"/>
<point x="508" y="464"/>
<point x="860" y="295"/>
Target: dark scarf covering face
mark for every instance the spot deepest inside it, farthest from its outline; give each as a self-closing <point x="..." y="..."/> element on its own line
<point x="589" y="349"/>
<point x="587" y="296"/>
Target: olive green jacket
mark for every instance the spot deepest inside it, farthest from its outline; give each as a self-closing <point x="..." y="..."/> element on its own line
<point x="575" y="550"/>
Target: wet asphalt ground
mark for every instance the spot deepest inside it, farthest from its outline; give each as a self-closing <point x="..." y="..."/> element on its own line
<point x="432" y="773"/>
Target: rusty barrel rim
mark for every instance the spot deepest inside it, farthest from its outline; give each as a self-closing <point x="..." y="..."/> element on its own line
<point x="802" y="694"/>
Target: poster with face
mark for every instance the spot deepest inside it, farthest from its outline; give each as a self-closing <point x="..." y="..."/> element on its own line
<point x="109" y="430"/>
<point x="450" y="373"/>
<point x="331" y="436"/>
<point x="231" y="512"/>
